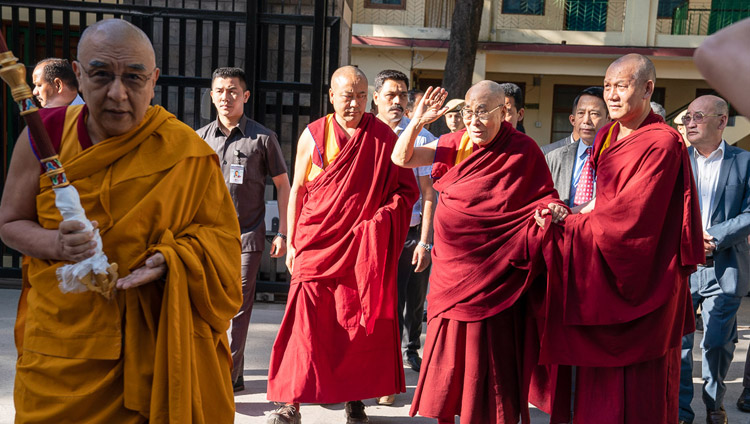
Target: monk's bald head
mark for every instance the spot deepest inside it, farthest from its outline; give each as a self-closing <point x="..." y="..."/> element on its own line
<point x="117" y="73"/>
<point x="487" y="89"/>
<point x="114" y="31"/>
<point x="640" y="66"/>
<point x="347" y="74"/>
<point x="348" y="95"/>
<point x="628" y="86"/>
<point x="485" y="101"/>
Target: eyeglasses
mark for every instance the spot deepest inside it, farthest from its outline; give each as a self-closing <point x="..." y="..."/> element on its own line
<point x="697" y="117"/>
<point x="131" y="80"/>
<point x="483" y="116"/>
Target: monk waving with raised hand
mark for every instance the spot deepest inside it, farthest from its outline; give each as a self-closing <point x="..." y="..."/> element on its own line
<point x="487" y="257"/>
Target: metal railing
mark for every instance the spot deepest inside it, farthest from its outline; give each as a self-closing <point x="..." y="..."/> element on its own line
<point x="289" y="49"/>
<point x="568" y="15"/>
<point x="692" y="19"/>
<point x="583" y="15"/>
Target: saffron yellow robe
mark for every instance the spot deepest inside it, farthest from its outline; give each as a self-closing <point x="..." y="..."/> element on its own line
<point x="158" y="351"/>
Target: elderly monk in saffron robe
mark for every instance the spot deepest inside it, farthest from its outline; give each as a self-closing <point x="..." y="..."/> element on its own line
<point x="619" y="300"/>
<point x="487" y="255"/>
<point x="349" y="214"/>
<point x="157" y="352"/>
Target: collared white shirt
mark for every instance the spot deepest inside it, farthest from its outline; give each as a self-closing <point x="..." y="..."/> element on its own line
<point x="424" y="137"/>
<point x="581" y="158"/>
<point x="707" y="175"/>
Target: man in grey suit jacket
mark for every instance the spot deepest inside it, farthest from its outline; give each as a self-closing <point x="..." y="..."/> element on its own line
<point x="722" y="175"/>
<point x="566" y="163"/>
<point x="565" y="141"/>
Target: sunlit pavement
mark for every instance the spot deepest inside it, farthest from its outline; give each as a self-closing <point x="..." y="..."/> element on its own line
<point x="252" y="405"/>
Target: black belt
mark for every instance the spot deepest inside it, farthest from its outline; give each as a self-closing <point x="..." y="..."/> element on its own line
<point x="709" y="262"/>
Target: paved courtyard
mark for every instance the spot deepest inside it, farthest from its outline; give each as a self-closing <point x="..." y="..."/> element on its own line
<point x="252" y="404"/>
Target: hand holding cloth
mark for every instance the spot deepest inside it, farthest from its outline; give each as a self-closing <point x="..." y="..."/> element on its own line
<point x="156" y="188"/>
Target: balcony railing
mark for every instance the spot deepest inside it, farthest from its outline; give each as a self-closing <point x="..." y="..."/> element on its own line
<point x="692" y="19"/>
<point x="582" y="15"/>
<point x="568" y="15"/>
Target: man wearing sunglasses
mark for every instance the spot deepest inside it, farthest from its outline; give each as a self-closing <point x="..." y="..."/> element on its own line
<point x="722" y="175"/>
<point x="158" y="350"/>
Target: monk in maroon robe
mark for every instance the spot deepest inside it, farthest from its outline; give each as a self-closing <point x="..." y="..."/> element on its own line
<point x="487" y="256"/>
<point x="618" y="300"/>
<point x="349" y="214"/>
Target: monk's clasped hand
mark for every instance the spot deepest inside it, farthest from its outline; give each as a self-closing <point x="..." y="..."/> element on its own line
<point x="75" y="244"/>
<point x="154" y="269"/>
<point x="558" y="211"/>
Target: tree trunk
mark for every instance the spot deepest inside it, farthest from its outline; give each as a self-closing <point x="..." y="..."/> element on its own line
<point x="462" y="51"/>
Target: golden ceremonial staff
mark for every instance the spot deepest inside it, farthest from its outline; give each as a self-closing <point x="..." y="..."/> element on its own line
<point x="95" y="273"/>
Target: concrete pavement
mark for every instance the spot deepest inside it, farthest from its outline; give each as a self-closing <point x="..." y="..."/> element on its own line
<point x="252" y="405"/>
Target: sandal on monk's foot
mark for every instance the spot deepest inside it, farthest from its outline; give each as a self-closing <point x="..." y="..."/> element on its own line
<point x="386" y="400"/>
<point x="355" y="413"/>
<point x="285" y="414"/>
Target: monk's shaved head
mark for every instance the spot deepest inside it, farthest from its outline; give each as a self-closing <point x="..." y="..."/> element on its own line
<point x="116" y="71"/>
<point x="642" y="68"/>
<point x="628" y="86"/>
<point x="489" y="90"/>
<point x="348" y="95"/>
<point x="347" y="73"/>
<point x="114" y="29"/>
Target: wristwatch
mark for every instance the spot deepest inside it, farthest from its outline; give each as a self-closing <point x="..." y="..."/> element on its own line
<point x="425" y="246"/>
<point x="281" y="235"/>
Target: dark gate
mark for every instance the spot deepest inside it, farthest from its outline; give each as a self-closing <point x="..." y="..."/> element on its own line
<point x="288" y="49"/>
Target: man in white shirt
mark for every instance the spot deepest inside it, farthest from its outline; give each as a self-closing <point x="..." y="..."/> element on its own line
<point x="722" y="176"/>
<point x="390" y="97"/>
<point x="55" y="83"/>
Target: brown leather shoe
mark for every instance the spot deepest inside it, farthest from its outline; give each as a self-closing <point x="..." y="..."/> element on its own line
<point x="716" y="417"/>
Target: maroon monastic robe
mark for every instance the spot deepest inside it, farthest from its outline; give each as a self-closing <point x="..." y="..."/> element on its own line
<point x="487" y="255"/>
<point x="618" y="300"/>
<point x="339" y="339"/>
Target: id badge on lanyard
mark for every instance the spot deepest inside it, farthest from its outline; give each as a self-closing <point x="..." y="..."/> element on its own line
<point x="237" y="171"/>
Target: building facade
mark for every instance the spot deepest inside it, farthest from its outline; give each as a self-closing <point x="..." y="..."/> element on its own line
<point x="551" y="48"/>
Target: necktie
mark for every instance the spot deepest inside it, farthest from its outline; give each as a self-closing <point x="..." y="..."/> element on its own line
<point x="585" y="187"/>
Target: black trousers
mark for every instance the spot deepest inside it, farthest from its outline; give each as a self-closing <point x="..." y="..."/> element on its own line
<point x="412" y="289"/>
